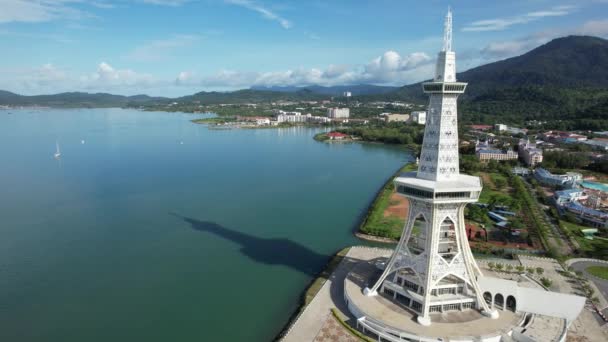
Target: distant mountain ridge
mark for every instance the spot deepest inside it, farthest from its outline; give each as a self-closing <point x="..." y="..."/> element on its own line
<point x="564" y="81"/>
<point x="76" y="99"/>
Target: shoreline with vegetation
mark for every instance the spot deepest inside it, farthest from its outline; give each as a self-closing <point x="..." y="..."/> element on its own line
<point x="377" y="227"/>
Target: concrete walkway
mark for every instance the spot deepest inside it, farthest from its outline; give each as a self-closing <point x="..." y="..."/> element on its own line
<point x="331" y="295"/>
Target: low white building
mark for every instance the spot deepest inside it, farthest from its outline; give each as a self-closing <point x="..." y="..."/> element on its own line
<point x="394" y="117"/>
<point x="500" y="127"/>
<point x="418" y="117"/>
<point x="338" y="113"/>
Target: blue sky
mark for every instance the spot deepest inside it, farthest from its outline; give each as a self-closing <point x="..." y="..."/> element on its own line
<point x="178" y="47"/>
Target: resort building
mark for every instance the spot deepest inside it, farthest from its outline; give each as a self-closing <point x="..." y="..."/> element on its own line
<point x="495" y="154"/>
<point x="431" y="288"/>
<point x="521" y="171"/>
<point x="529" y="153"/>
<point x="570" y="195"/>
<point x="566" y="181"/>
<point x="338" y="113"/>
<point x="292" y="117"/>
<point x="588" y="216"/>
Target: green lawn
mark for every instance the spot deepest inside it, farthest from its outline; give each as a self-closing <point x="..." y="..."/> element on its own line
<point x="375" y="223"/>
<point x="599" y="271"/>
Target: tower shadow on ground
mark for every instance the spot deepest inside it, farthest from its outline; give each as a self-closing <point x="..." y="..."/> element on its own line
<point x="270" y="251"/>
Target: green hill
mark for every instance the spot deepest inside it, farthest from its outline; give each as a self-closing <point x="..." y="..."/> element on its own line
<point x="563" y="82"/>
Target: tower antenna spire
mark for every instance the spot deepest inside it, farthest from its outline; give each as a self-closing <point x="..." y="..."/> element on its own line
<point x="447" y="31"/>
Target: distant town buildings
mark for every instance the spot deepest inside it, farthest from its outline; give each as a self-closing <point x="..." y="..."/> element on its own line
<point x="563" y="137"/>
<point x="598" y="143"/>
<point x="529" y="153"/>
<point x="338" y="113"/>
<point x="258" y="120"/>
<point x="418" y="117"/>
<point x="298" y="117"/>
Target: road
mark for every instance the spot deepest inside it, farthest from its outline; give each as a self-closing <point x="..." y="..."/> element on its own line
<point x="601" y="284"/>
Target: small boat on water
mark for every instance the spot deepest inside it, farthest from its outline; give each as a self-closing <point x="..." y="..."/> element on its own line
<point x="57" y="152"/>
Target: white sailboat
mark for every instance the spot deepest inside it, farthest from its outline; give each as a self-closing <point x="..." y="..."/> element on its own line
<point x="57" y="152"/>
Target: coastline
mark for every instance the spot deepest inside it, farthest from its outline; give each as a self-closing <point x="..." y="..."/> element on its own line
<point x="312" y="289"/>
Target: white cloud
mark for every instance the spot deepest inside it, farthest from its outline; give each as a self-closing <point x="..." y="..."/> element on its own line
<point x="594" y="28"/>
<point x="157" y="50"/>
<point x="34" y="11"/>
<point x="172" y="3"/>
<point x="102" y="4"/>
<point x="506" y="49"/>
<point x="504" y="23"/>
<point x="265" y="12"/>
<point x="390" y="68"/>
<point x="107" y="77"/>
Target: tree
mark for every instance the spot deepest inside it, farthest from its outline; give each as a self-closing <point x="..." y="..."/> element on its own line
<point x="499" y="267"/>
<point x="540" y="270"/>
<point x="520" y="268"/>
<point x="530" y="270"/>
<point x="546" y="282"/>
<point x="491" y="265"/>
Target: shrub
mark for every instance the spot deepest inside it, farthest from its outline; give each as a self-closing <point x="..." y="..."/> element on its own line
<point x="546" y="282"/>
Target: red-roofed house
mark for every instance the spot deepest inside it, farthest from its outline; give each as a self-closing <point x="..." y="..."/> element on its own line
<point x="482" y="127"/>
<point x="336" y="135"/>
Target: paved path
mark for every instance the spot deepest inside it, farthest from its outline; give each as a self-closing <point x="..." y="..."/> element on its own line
<point x="331" y="295"/>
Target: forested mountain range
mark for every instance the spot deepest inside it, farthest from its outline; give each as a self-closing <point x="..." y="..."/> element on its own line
<point x="564" y="81"/>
